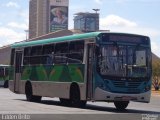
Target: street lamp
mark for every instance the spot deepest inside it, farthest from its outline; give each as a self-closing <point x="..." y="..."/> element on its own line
<point x="96" y="10"/>
<point x="26" y="31"/>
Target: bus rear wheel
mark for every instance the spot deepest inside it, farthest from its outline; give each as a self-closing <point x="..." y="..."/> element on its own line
<point x="29" y="94"/>
<point x="121" y="105"/>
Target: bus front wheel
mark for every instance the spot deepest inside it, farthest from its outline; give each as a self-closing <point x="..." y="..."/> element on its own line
<point x="29" y="94"/>
<point x="121" y="105"/>
<point x="75" y="97"/>
<point x="65" y="102"/>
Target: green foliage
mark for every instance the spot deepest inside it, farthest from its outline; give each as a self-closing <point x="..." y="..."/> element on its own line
<point x="156" y="74"/>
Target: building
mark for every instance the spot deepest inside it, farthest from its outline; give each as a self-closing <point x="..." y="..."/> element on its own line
<point x="47" y="16"/>
<point x="86" y="22"/>
<point x="5" y="51"/>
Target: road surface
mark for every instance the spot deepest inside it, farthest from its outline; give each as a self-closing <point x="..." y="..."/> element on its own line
<point x="11" y="103"/>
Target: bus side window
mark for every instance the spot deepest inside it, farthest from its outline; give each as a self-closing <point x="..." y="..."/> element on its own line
<point x="26" y="61"/>
<point x="36" y="55"/>
<point x="35" y="60"/>
<point x="48" y="49"/>
<point x="76" y="50"/>
<point x="27" y="51"/>
<point x="37" y="50"/>
<point x="27" y="54"/>
<point x="47" y="57"/>
<point x="61" y="51"/>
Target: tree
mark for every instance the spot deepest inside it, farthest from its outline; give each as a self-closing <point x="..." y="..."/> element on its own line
<point x="156" y="74"/>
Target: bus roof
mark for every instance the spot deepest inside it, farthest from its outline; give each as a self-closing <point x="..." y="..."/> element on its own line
<point x="55" y="40"/>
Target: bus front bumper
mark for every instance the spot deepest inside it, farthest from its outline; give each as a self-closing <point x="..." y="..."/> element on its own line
<point x="102" y="95"/>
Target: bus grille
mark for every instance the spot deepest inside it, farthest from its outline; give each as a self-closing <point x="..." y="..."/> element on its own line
<point x="127" y="84"/>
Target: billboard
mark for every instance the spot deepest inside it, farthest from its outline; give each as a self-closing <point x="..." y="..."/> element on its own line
<point x="59" y="2"/>
<point x="58" y="18"/>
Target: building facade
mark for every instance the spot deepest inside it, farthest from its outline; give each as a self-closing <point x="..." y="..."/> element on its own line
<point x="86" y="22"/>
<point x="47" y="16"/>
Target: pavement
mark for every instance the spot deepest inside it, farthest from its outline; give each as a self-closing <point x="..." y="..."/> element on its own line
<point x="51" y="109"/>
<point x="155" y="93"/>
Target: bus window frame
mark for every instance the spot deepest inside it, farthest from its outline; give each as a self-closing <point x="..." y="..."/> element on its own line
<point x="78" y="52"/>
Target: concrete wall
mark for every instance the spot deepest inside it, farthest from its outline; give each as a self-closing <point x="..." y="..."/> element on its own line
<point x="5" y="53"/>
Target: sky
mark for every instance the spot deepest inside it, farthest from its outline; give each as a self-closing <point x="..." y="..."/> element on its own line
<point x="129" y="16"/>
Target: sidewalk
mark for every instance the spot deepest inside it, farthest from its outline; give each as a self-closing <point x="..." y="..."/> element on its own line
<point x="157" y="93"/>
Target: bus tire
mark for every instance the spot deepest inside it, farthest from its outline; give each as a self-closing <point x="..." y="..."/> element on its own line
<point x="121" y="105"/>
<point x="75" y="96"/>
<point x="5" y="84"/>
<point x="29" y="94"/>
<point x="65" y="102"/>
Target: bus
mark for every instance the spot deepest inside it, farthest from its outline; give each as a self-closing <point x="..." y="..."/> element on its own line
<point x="96" y="66"/>
<point x="4" y="75"/>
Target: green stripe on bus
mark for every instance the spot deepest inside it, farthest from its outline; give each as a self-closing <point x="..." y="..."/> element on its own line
<point x="56" y="73"/>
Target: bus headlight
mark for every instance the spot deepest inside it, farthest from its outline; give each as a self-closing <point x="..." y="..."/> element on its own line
<point x="147" y="88"/>
<point x="102" y="86"/>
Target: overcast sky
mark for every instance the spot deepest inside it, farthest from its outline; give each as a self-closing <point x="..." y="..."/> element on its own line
<point x="131" y="16"/>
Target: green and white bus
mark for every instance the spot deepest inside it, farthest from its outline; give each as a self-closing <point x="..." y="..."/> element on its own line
<point x="97" y="66"/>
<point x="4" y="75"/>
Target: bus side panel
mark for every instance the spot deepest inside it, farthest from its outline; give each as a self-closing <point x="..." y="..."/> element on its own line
<point x="54" y="81"/>
<point x="2" y="76"/>
<point x="21" y="86"/>
<point x="56" y="73"/>
<point x="11" y="85"/>
<point x="11" y="78"/>
<point x="50" y="89"/>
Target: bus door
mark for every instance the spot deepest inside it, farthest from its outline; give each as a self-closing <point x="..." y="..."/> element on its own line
<point x="90" y="71"/>
<point x="18" y="62"/>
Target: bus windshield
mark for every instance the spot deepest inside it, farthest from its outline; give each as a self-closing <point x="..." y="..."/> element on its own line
<point x="123" y="60"/>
